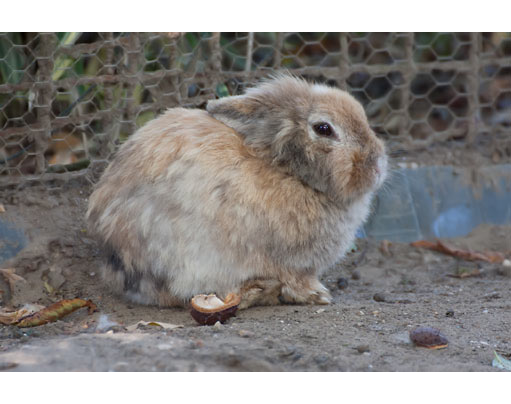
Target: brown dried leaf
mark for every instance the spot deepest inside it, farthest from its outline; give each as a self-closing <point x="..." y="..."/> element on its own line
<point x="10" y="316"/>
<point x="11" y="277"/>
<point x="55" y="312"/>
<point x="464" y="273"/>
<point x="159" y="324"/>
<point x="488" y="256"/>
<point x="385" y="248"/>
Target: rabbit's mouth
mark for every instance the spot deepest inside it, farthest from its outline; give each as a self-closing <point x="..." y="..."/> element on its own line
<point x="364" y="174"/>
<point x="381" y="169"/>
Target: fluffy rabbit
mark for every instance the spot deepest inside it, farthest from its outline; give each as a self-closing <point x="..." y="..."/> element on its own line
<point x="258" y="195"/>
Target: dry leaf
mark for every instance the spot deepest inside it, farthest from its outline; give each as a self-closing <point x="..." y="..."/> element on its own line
<point x="501" y="362"/>
<point x="48" y="287"/>
<point x="11" y="277"/>
<point x="165" y="326"/>
<point x="11" y="317"/>
<point x="8" y="317"/>
<point x="465" y="273"/>
<point x="55" y="312"/>
<point x="462" y="275"/>
<point x="488" y="256"/>
<point x="385" y="248"/>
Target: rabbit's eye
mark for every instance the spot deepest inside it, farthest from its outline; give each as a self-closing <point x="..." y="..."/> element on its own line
<point x="323" y="129"/>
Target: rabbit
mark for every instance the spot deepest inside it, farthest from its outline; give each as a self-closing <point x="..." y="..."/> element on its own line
<point x="259" y="195"/>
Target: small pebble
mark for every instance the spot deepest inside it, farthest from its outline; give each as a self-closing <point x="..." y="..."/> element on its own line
<point x="288" y="351"/>
<point x="363" y="348"/>
<point x="505" y="269"/>
<point x="379" y="297"/>
<point x="449" y="313"/>
<point x="245" y="333"/>
<point x="355" y="275"/>
<point x="218" y="326"/>
<point x="342" y="283"/>
<point x="321" y="359"/>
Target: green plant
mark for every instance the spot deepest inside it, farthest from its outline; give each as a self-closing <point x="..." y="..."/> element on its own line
<point x="12" y="58"/>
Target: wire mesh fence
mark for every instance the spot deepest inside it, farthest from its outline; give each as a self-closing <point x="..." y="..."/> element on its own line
<point x="68" y="99"/>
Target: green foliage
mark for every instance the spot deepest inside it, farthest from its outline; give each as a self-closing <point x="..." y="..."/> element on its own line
<point x="12" y="58"/>
<point x="63" y="62"/>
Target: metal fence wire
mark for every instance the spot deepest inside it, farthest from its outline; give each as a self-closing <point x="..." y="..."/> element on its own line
<point x="68" y="99"/>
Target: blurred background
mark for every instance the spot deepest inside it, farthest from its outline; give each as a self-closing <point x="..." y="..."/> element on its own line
<point x="67" y="100"/>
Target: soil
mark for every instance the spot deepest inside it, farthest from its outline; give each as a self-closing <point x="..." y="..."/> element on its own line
<point x="381" y="292"/>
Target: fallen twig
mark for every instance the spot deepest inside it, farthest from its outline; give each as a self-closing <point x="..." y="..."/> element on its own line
<point x="488" y="256"/>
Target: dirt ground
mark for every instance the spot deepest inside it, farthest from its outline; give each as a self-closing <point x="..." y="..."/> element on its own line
<point x="380" y="294"/>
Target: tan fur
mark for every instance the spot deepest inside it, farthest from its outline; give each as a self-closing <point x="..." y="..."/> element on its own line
<point x="244" y="197"/>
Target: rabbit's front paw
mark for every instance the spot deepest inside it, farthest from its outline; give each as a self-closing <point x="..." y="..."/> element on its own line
<point x="311" y="292"/>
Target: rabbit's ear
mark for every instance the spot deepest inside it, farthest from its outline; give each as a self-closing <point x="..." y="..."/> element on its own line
<point x="239" y="112"/>
<point x="265" y="112"/>
<point x="247" y="115"/>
